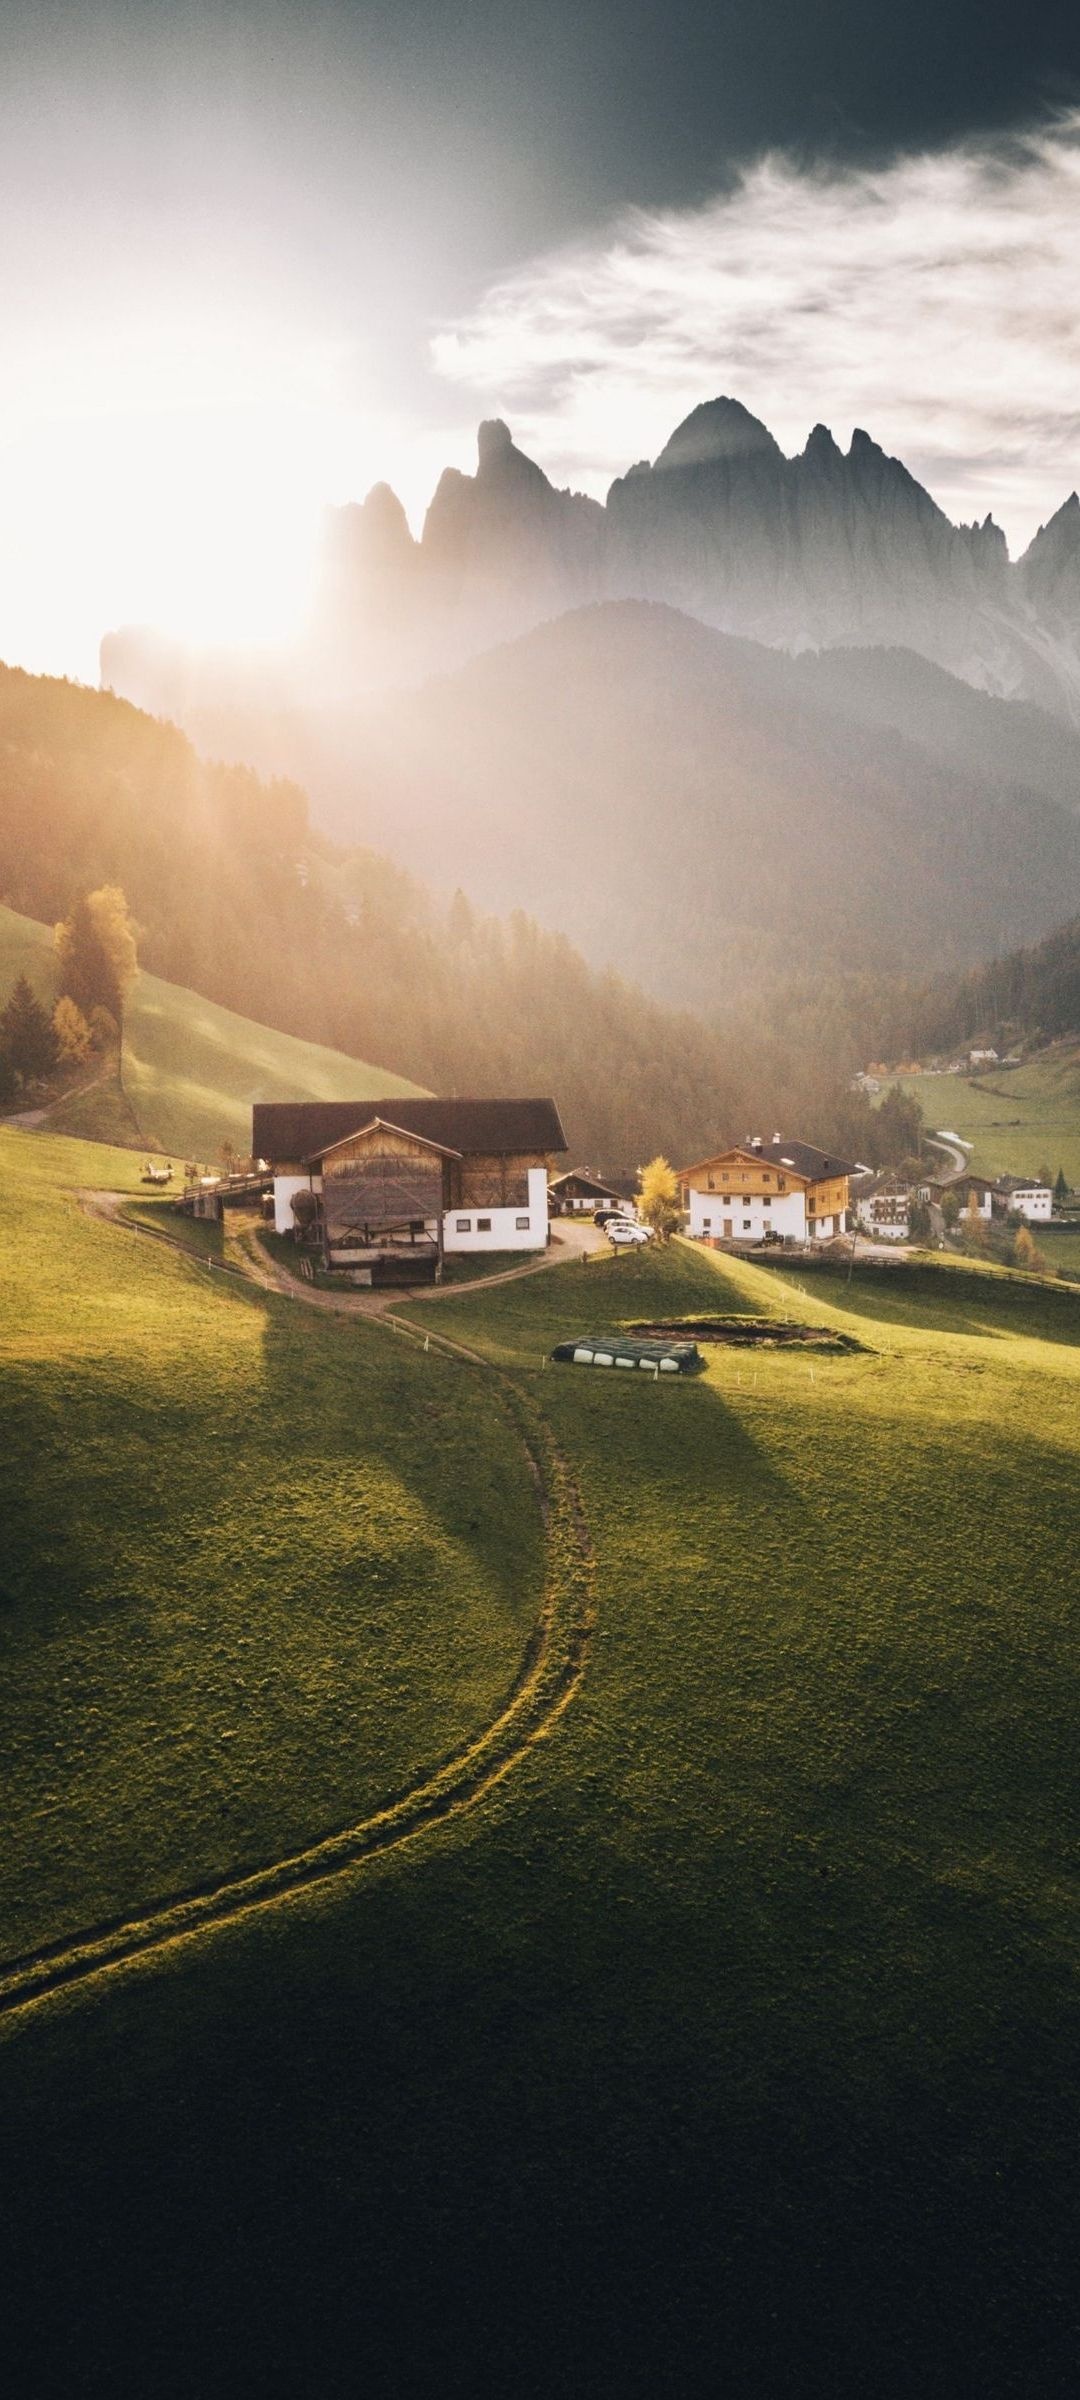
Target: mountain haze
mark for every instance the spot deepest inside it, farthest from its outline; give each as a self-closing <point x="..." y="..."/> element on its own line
<point x="828" y="548"/>
<point x="686" y="806"/>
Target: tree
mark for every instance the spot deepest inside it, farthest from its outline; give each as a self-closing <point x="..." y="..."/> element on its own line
<point x="96" y="949"/>
<point x="1027" y="1254"/>
<point x="1061" y="1189"/>
<point x="975" y="1228"/>
<point x="950" y="1210"/>
<point x="26" y="1035"/>
<point x="72" y="1032"/>
<point x="658" y="1196"/>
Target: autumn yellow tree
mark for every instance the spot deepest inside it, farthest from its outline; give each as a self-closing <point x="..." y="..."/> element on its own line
<point x="97" y="952"/>
<point x="973" y="1224"/>
<point x="1027" y="1254"/>
<point x="658" y="1196"/>
<point x="72" y="1032"/>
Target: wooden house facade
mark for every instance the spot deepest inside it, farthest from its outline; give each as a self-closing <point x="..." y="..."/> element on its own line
<point x="780" y="1190"/>
<point x="426" y="1176"/>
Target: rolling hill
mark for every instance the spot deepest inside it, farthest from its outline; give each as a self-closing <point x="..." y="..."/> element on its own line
<point x="752" y="1983"/>
<point x="1016" y="1119"/>
<point x="191" y="1070"/>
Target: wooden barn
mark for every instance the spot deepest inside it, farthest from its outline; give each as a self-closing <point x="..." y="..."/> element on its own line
<point x="393" y="1185"/>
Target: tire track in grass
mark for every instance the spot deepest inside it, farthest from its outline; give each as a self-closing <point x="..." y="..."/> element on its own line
<point x="550" y="1673"/>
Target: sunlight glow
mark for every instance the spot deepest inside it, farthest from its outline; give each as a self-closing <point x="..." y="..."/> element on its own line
<point x="173" y="475"/>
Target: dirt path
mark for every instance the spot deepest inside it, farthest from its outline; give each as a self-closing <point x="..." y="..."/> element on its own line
<point x="31" y="1120"/>
<point x="551" y="1671"/>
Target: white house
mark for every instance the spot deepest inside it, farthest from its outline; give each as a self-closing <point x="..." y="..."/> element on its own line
<point x="415" y="1177"/>
<point x="761" y="1190"/>
<point x="1032" y="1201"/>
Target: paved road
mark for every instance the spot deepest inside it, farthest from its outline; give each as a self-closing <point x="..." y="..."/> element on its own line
<point x="952" y="1147"/>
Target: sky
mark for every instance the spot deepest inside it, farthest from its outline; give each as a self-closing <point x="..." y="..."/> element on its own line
<point x="258" y="255"/>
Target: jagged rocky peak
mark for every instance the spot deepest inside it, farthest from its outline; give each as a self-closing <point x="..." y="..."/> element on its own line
<point x="718" y="433"/>
<point x="1051" y="566"/>
<point x="822" y="446"/>
<point x="500" y="463"/>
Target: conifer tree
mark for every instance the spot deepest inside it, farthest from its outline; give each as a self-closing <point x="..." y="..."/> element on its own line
<point x="26" y="1034"/>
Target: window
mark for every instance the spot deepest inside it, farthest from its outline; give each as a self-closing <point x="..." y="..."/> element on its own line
<point x="767" y="1201"/>
<point x="483" y="1225"/>
<point x="712" y="1186"/>
<point x="521" y="1224"/>
<point x="724" y="1175"/>
<point x="766" y="1177"/>
<point x="746" y="1225"/>
<point x="706" y="1223"/>
<point x="781" y="1183"/>
<point x="462" y="1224"/>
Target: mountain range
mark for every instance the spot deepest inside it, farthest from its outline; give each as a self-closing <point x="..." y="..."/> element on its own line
<point x="826" y="549"/>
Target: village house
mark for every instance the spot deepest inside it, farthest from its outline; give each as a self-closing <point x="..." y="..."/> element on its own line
<point x="1025" y="1197"/>
<point x="422" y="1177"/>
<point x="882" y="1206"/>
<point x="967" y="1189"/>
<point x="578" y="1193"/>
<point x="766" y="1190"/>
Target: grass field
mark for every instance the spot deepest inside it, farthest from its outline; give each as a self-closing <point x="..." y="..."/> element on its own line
<point x="230" y="1619"/>
<point x="731" y="2043"/>
<point x="1017" y="1119"/>
<point x="191" y="1069"/>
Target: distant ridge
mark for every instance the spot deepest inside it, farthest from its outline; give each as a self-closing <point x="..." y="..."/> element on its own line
<point x="822" y="549"/>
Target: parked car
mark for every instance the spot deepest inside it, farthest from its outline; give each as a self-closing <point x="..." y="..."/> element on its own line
<point x="625" y="1235"/>
<point x="617" y="1216"/>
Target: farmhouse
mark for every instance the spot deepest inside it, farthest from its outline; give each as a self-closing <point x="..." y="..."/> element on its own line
<point x="1026" y="1197"/>
<point x="422" y="1176"/>
<point x="761" y="1190"/>
<point x="968" y="1190"/>
<point x="576" y="1194"/>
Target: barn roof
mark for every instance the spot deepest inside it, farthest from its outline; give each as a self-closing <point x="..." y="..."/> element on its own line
<point x="305" y="1128"/>
<point x="380" y="1125"/>
<point x="584" y="1182"/>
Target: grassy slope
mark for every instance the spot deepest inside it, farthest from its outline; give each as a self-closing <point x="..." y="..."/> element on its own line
<point x="1018" y="1120"/>
<point x="191" y="1069"/>
<point x="737" y="2033"/>
<point x="257" y="1571"/>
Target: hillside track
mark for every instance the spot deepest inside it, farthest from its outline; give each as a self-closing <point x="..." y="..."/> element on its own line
<point x="551" y="1670"/>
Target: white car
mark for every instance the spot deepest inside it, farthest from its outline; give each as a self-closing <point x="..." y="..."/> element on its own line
<point x="625" y="1235"/>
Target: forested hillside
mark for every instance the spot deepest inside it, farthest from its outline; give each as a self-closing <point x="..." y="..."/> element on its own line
<point x="1026" y="994"/>
<point x="700" y="811"/>
<point x="237" y="898"/>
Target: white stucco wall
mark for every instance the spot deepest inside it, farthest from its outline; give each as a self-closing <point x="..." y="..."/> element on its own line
<point x="1035" y="1205"/>
<point x="501" y="1228"/>
<point x="750" y="1219"/>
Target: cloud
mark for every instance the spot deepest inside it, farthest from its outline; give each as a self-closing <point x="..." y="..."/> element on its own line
<point x="934" y="300"/>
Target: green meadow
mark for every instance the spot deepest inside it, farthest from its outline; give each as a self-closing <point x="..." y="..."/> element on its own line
<point x="258" y="1571"/>
<point x="730" y="2041"/>
<point x="1017" y="1119"/>
<point x="191" y="1070"/>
